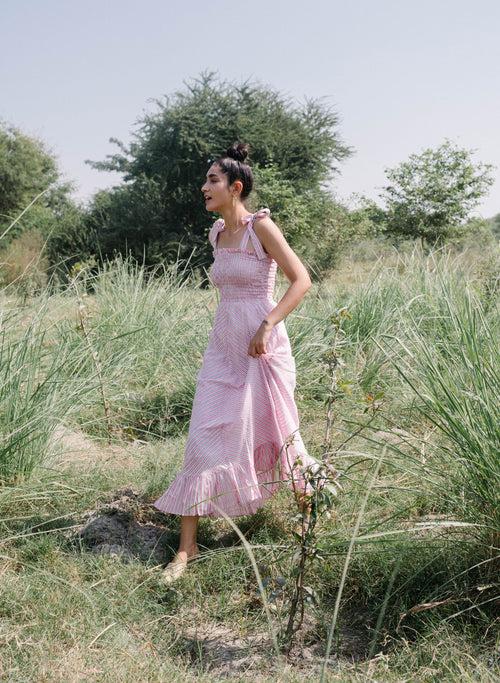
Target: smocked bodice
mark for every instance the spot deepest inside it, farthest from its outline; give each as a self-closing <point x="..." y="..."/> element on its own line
<point x="238" y="273"/>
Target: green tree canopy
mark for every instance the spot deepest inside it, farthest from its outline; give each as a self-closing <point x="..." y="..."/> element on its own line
<point x="26" y="169"/>
<point x="495" y="224"/>
<point x="158" y="211"/>
<point x="432" y="194"/>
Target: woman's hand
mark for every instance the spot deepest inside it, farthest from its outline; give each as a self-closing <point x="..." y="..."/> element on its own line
<point x="259" y="340"/>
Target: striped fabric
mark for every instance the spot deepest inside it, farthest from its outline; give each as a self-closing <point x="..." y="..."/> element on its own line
<point x="243" y="410"/>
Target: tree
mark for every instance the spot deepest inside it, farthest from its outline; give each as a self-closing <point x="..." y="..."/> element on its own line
<point x="495" y="224"/>
<point x="26" y="169"/>
<point x="158" y="212"/>
<point x="432" y="194"/>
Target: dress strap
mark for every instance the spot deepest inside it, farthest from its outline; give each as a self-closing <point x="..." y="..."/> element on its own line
<point x="250" y="233"/>
<point x="214" y="231"/>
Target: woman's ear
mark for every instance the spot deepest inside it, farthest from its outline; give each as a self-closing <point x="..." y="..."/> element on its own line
<point x="238" y="186"/>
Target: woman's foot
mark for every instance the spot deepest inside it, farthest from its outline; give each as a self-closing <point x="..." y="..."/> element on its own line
<point x="186" y="555"/>
<point x="178" y="565"/>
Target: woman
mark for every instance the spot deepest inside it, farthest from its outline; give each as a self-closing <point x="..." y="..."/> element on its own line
<point x="243" y="438"/>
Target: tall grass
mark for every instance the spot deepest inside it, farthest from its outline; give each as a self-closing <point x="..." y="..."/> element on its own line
<point x="34" y="397"/>
<point x="422" y="331"/>
<point x="457" y="379"/>
<point x="147" y="335"/>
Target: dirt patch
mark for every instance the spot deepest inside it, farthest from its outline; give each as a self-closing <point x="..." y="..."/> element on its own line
<point x="74" y="447"/>
<point x="125" y="525"/>
<point x="225" y="653"/>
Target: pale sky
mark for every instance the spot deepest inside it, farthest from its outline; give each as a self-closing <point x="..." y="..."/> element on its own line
<point x="402" y="75"/>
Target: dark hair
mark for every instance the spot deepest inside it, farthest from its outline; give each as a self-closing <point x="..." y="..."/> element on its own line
<point x="232" y="163"/>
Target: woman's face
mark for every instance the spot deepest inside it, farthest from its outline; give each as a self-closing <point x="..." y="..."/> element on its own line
<point x="215" y="190"/>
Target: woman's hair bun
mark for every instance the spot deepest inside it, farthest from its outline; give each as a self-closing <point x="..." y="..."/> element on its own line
<point x="238" y="151"/>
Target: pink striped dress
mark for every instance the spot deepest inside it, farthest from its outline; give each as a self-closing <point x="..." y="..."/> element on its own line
<point x="243" y="410"/>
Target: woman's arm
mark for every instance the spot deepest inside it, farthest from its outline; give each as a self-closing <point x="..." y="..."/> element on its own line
<point x="276" y="246"/>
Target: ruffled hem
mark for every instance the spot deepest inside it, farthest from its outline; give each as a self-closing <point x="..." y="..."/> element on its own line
<point x="236" y="491"/>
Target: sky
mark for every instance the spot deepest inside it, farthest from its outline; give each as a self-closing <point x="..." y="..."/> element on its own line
<point x="402" y="76"/>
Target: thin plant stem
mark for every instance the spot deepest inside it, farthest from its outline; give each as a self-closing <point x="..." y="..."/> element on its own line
<point x="250" y="554"/>
<point x="347" y="562"/>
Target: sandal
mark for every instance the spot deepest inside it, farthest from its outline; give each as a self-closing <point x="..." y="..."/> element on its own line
<point x="175" y="569"/>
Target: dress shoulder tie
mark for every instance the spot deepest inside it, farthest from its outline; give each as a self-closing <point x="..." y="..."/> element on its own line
<point x="250" y="233"/>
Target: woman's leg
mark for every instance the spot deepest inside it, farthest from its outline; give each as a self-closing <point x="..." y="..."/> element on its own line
<point x="187" y="549"/>
<point x="187" y="546"/>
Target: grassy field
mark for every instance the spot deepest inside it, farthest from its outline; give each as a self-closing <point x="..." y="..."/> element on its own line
<point x="96" y="387"/>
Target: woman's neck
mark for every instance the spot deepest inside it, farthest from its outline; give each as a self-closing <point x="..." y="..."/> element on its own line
<point x="233" y="218"/>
